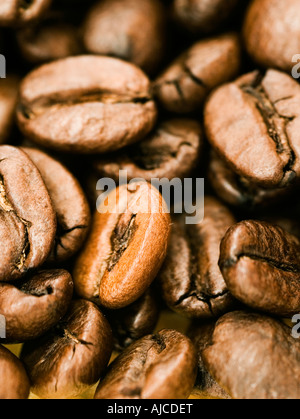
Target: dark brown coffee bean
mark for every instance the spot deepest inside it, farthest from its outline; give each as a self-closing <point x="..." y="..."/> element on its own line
<point x="254" y="357"/>
<point x="238" y="191"/>
<point x="184" y="86"/>
<point x="47" y="42"/>
<point x="128" y="29"/>
<point x="253" y="125"/>
<point x="33" y="307"/>
<point x="14" y="382"/>
<point x="21" y="12"/>
<point x="171" y="151"/>
<point x="203" y="16"/>
<point x="206" y="387"/>
<point x="8" y="102"/>
<point x="190" y="280"/>
<point x="86" y="104"/>
<point x="272" y="32"/>
<point x="261" y="266"/>
<point x="135" y="321"/>
<point x="28" y="221"/>
<point x="69" y="202"/>
<point x="126" y="247"/>
<point x="161" y="366"/>
<point x="71" y="358"/>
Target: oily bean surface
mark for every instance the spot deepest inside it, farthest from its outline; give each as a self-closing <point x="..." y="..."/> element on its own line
<point x="268" y="357"/>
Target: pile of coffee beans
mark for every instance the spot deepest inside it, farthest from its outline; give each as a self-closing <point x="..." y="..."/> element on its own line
<point x="116" y="295"/>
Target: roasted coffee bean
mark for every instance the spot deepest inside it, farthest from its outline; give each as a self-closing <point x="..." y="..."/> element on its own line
<point x="254" y="357"/>
<point x="34" y="306"/>
<point x="71" y="358"/>
<point x="203" y="16"/>
<point x="261" y="266"/>
<point x="171" y="151"/>
<point x="69" y="202"/>
<point x="128" y="29"/>
<point x="21" y="12"/>
<point x="238" y="191"/>
<point x="28" y="222"/>
<point x="253" y="125"/>
<point x="206" y="387"/>
<point x="48" y="41"/>
<point x="190" y="280"/>
<point x="161" y="366"/>
<point x="14" y="382"/>
<point x="135" y="321"/>
<point x="86" y="104"/>
<point x="184" y="86"/>
<point x="126" y="247"/>
<point x="8" y="102"/>
<point x="272" y="32"/>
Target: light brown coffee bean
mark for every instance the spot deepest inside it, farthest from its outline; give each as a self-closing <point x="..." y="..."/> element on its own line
<point x="261" y="266"/>
<point x="71" y="358"/>
<point x="184" y="86"/>
<point x="86" y="104"/>
<point x="14" y="382"/>
<point x="161" y="366"/>
<point x="22" y="12"/>
<point x="126" y="247"/>
<point x="190" y="279"/>
<point x="171" y="151"/>
<point x="254" y="357"/>
<point x="27" y="218"/>
<point x="69" y="202"/>
<point x="33" y="307"/>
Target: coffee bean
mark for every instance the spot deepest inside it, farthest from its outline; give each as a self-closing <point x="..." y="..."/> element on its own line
<point x="8" y="102"/>
<point x="161" y="366"/>
<point x="206" y="386"/>
<point x="203" y="16"/>
<point x="128" y="29"/>
<point x="272" y="32"/>
<point x="135" y="321"/>
<point x="34" y="306"/>
<point x="171" y="151"/>
<point x="71" y="358"/>
<point x="126" y="247"/>
<point x="14" y="383"/>
<point x="190" y="280"/>
<point x="69" y="202"/>
<point x="22" y="12"/>
<point x="254" y="357"/>
<point x="185" y="84"/>
<point x="252" y="124"/>
<point x="28" y="222"/>
<point x="48" y="41"/>
<point x="261" y="266"/>
<point x="86" y="104"/>
<point x="238" y="191"/>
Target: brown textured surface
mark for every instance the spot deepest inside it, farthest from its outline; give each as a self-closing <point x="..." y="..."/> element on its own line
<point x="70" y="359"/>
<point x="190" y="280"/>
<point x="69" y="202"/>
<point x="161" y="366"/>
<point x="128" y="29"/>
<point x="254" y="357"/>
<point x="86" y="104"/>
<point x="31" y="308"/>
<point x="8" y="102"/>
<point x="172" y="150"/>
<point x="21" y="12"/>
<point x="185" y="84"/>
<point x="272" y="32"/>
<point x="253" y="124"/>
<point x="261" y="266"/>
<point x="124" y="251"/>
<point x="28" y="222"/>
